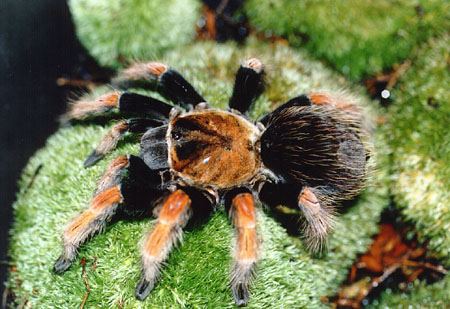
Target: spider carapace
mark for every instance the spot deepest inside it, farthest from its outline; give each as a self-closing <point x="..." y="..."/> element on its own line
<point x="214" y="148"/>
<point x="308" y="154"/>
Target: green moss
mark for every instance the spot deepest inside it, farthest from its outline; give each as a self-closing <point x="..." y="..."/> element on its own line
<point x="421" y="295"/>
<point x="359" y="38"/>
<point x="117" y="30"/>
<point x="419" y="141"/>
<point x="197" y="273"/>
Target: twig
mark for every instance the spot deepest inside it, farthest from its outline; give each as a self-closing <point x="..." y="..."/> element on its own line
<point x="397" y="73"/>
<point x="24" y="301"/>
<point x="4" y="297"/>
<point x="88" y="290"/>
<point x="428" y="265"/>
<point x="389" y="79"/>
<point x="94" y="264"/>
<point x="377" y="281"/>
<point x="414" y="275"/>
<point x="36" y="172"/>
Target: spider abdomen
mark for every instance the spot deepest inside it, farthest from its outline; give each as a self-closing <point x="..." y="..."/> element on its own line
<point x="314" y="146"/>
<point x="213" y="148"/>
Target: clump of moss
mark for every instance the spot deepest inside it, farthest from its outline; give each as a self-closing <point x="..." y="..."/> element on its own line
<point x="419" y="144"/>
<point x="114" y="31"/>
<point x="359" y="38"/>
<point x="422" y="295"/>
<point x="197" y="273"/>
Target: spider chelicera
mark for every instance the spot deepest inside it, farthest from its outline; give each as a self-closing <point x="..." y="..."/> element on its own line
<point x="307" y="153"/>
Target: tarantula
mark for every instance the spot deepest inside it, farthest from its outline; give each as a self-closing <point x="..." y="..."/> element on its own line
<point x="310" y="148"/>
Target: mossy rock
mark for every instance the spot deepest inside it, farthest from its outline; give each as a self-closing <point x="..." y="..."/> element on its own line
<point x="114" y="31"/>
<point x="359" y="38"/>
<point x="418" y="159"/>
<point x="419" y="144"/>
<point x="197" y="272"/>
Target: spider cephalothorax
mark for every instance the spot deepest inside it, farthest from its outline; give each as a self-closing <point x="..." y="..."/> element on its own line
<point x="192" y="155"/>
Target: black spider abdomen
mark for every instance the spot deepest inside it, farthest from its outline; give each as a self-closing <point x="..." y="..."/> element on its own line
<point x="310" y="145"/>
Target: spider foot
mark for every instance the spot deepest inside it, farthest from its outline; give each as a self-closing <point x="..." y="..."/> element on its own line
<point x="62" y="264"/>
<point x="240" y="294"/>
<point x="93" y="158"/>
<point x="241" y="279"/>
<point x="143" y="288"/>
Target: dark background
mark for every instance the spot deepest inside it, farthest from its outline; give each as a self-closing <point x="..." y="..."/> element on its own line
<point x="37" y="45"/>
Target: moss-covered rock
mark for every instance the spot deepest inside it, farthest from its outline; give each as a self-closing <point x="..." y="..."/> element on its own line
<point x="359" y="38"/>
<point x="197" y="273"/>
<point x="418" y="156"/>
<point x="118" y="30"/>
<point x="419" y="144"/>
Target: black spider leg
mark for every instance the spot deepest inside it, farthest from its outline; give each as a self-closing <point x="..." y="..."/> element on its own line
<point x="241" y="205"/>
<point x="125" y="102"/>
<point x="127" y="181"/>
<point x="282" y="202"/>
<point x="109" y="142"/>
<point x="173" y="214"/>
<point x="248" y="86"/>
<point x="161" y="78"/>
<point x="301" y="100"/>
<point x="122" y="101"/>
<point x="315" y="204"/>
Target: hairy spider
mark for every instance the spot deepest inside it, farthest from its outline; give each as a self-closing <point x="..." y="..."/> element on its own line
<point x="310" y="149"/>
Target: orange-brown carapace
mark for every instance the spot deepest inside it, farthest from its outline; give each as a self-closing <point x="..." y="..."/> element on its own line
<point x="213" y="148"/>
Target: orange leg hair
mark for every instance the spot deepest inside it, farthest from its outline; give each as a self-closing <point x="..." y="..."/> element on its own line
<point x="117" y="132"/>
<point x="243" y="216"/>
<point x="343" y="104"/>
<point x="103" y="206"/>
<point x="128" y="180"/>
<point x="319" y="219"/>
<point x="85" y="108"/>
<point x="121" y="101"/>
<point x="172" y="216"/>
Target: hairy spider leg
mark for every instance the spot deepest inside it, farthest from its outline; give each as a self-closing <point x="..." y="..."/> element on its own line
<point x="165" y="80"/>
<point x="122" y="101"/>
<point x="317" y="98"/>
<point x="243" y="217"/>
<point x="109" y="142"/>
<point x="172" y="216"/>
<point x="319" y="218"/>
<point x="248" y="85"/>
<point x="127" y="180"/>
